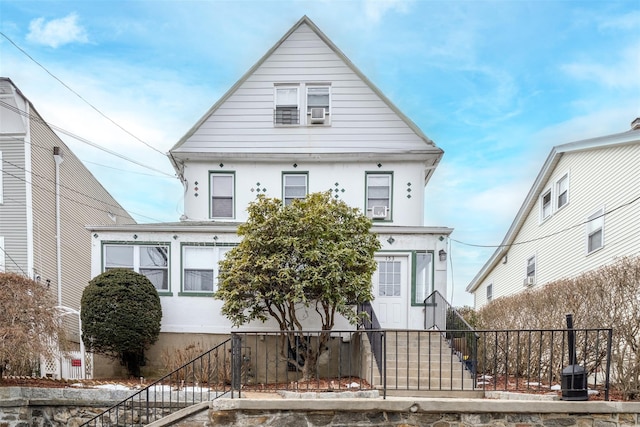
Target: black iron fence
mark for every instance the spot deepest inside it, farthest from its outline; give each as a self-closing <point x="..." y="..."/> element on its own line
<point x="202" y="379"/>
<point x="417" y="360"/>
<point x="407" y="361"/>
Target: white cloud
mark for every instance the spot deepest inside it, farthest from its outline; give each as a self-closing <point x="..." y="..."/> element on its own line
<point x="622" y="73"/>
<point x="57" y="32"/>
<point x="375" y="9"/>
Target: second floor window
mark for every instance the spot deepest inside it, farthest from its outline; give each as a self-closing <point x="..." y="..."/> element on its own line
<point x="222" y="191"/>
<point x="149" y="260"/>
<point x="379" y="195"/>
<point x="545" y="205"/>
<point x="489" y="292"/>
<point x="294" y="186"/>
<point x="562" y="191"/>
<point x="531" y="267"/>
<point x="287" y="111"/>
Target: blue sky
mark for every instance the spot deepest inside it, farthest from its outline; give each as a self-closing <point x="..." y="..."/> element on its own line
<point x="495" y="84"/>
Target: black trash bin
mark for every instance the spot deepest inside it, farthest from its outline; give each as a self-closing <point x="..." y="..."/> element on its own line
<point x="574" y="376"/>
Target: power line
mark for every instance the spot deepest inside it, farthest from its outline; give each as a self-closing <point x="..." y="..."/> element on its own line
<point x="552" y="234"/>
<point x="78" y="95"/>
<point x="76" y="191"/>
<point x="81" y="139"/>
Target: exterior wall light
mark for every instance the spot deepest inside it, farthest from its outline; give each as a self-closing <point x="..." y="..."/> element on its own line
<point x="443" y="255"/>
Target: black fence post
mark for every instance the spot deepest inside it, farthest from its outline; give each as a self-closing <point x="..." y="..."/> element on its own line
<point x="236" y="363"/>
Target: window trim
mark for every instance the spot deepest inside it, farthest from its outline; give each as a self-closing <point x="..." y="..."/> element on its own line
<point x="535" y="266"/>
<point x="599" y="216"/>
<point x="136" y="259"/>
<point x="414" y="276"/>
<point x="547" y="192"/>
<point x="216" y="266"/>
<point x="297" y="121"/>
<point x="327" y="111"/>
<point x="558" y="194"/>
<point x="232" y="174"/>
<point x="367" y="210"/>
<point x="284" y="186"/>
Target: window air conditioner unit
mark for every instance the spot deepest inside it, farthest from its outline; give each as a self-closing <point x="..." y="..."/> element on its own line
<point x="317" y="115"/>
<point x="529" y="281"/>
<point x="379" y="212"/>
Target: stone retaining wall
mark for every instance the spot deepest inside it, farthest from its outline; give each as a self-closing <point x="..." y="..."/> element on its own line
<point x="36" y="407"/>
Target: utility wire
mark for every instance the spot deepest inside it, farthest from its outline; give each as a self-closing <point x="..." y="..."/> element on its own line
<point x="81" y="139"/>
<point x="552" y="234"/>
<point x="77" y="201"/>
<point x="78" y="95"/>
<point x="12" y="260"/>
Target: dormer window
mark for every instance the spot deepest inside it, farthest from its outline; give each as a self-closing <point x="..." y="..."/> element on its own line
<point x="287" y="111"/>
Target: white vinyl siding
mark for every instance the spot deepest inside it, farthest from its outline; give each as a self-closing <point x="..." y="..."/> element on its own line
<point x="1" y="175"/>
<point x="222" y="191"/>
<point x="200" y="265"/>
<point x="379" y="193"/>
<point x="595" y="231"/>
<point x="423" y="277"/>
<point x="2" y="255"/>
<point x="149" y="260"/>
<point x="360" y="119"/>
<point x="294" y="186"/>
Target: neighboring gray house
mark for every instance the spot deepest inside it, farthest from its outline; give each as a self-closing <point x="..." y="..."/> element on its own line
<point x="303" y="119"/>
<point x="582" y="212"/>
<point x="47" y="196"/>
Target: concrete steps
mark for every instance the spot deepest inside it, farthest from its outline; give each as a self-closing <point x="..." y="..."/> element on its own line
<point x="424" y="361"/>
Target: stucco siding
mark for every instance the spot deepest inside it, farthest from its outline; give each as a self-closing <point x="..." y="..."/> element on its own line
<point x="345" y="180"/>
<point x="359" y="119"/>
<point x="606" y="178"/>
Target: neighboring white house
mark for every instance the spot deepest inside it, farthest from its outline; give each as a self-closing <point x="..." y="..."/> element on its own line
<point x="582" y="212"/>
<point x="303" y="119"/>
<point x="47" y="196"/>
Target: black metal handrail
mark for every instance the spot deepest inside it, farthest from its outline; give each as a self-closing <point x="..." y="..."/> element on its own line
<point x="204" y="378"/>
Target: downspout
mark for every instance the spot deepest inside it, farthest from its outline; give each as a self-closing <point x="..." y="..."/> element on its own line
<point x="57" y="157"/>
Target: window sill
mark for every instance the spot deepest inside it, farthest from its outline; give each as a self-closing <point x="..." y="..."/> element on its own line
<point x="165" y="293"/>
<point x="195" y="294"/>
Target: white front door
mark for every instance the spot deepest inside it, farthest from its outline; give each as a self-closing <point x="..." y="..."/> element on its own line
<point x="390" y="291"/>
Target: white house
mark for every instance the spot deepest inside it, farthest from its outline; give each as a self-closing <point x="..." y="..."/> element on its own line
<point x="582" y="212"/>
<point x="303" y="119"/>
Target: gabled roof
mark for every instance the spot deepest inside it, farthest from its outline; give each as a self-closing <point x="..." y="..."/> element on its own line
<point x="304" y="20"/>
<point x="625" y="138"/>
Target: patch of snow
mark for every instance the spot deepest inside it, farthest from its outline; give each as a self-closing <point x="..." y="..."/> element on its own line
<point x="113" y="387"/>
<point x="353" y="385"/>
<point x="556" y="387"/>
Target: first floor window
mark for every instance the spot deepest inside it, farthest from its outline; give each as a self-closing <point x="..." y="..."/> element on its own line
<point x="595" y="228"/>
<point x="423" y="284"/>
<point x="531" y="267"/>
<point x="389" y="278"/>
<point x="294" y="187"/>
<point x="379" y="195"/>
<point x="151" y="261"/>
<point x="222" y="190"/>
<point x="201" y="267"/>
